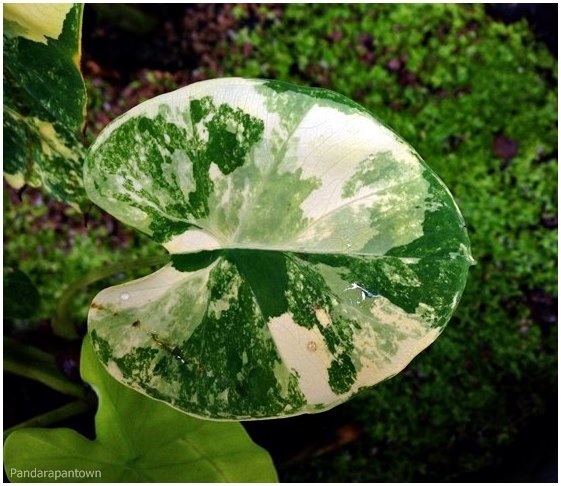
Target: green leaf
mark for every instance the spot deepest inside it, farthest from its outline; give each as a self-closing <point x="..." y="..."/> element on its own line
<point x="313" y="252"/>
<point x="21" y="298"/>
<point x="137" y="440"/>
<point x="44" y="99"/>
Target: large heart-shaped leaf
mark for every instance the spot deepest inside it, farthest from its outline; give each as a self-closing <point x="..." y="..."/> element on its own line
<point x="44" y="98"/>
<point x="313" y="252"/>
<point x="137" y="440"/>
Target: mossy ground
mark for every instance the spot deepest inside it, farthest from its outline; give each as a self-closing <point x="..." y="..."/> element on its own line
<point x="478" y="100"/>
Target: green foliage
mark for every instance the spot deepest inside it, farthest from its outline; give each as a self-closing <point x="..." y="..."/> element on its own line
<point x="138" y="440"/>
<point x="21" y="298"/>
<point x="450" y="80"/>
<point x="44" y="99"/>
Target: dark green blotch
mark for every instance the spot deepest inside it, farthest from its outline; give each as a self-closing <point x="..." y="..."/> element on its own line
<point x="191" y="262"/>
<point x="145" y="125"/>
<point x="228" y="150"/>
<point x="339" y="335"/>
<point x="164" y="366"/>
<point x="316" y="292"/>
<point x="17" y="140"/>
<point x="342" y="374"/>
<point x="198" y="199"/>
<point x="196" y="110"/>
<point x="295" y="397"/>
<point x="443" y="230"/>
<point x="137" y="364"/>
<point x="164" y="229"/>
<point x="101" y="346"/>
<point x="234" y="361"/>
<point x="223" y="151"/>
<point x="260" y="382"/>
<point x="266" y="274"/>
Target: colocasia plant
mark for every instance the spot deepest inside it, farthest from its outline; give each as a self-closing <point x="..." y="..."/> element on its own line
<point x="312" y="253"/>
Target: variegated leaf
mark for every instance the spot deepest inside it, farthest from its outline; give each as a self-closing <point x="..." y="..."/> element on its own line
<point x="44" y="99"/>
<point x="313" y="252"/>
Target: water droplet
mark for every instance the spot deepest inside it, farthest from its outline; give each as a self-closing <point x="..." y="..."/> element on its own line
<point x="125" y="296"/>
<point x="312" y="346"/>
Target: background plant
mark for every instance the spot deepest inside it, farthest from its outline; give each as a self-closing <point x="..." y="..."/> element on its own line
<point x="44" y="99"/>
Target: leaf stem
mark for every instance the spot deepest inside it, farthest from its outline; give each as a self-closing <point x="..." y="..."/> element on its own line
<point x="62" y="323"/>
<point x="58" y="414"/>
<point x="35" y="364"/>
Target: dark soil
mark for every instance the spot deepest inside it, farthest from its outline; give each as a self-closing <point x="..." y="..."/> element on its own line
<point x="543" y="18"/>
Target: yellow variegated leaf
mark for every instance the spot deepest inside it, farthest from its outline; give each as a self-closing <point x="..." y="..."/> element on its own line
<point x="44" y="99"/>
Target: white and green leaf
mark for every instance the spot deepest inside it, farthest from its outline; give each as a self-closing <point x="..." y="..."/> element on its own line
<point x="44" y="99"/>
<point x="313" y="252"/>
